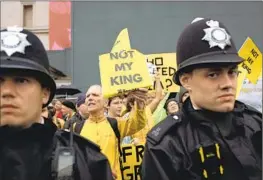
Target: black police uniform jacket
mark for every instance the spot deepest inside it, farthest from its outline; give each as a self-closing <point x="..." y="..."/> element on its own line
<point x="28" y="154"/>
<point x="172" y="147"/>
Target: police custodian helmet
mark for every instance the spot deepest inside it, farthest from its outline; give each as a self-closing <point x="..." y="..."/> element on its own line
<point x="204" y="41"/>
<point x="22" y="50"/>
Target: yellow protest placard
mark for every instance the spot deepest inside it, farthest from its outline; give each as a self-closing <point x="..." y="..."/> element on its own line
<point x="122" y="42"/>
<point x="253" y="59"/>
<point x="132" y="159"/>
<point x="123" y="71"/>
<point x="166" y="66"/>
<point x="251" y="68"/>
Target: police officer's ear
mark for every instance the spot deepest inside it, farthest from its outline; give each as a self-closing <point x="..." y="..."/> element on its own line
<point x="45" y="95"/>
<point x="185" y="80"/>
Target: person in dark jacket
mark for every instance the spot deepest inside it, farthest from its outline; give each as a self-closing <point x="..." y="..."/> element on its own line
<point x="82" y="107"/>
<point x="31" y="147"/>
<point x="82" y="112"/>
<point x="213" y="136"/>
<point x="68" y="109"/>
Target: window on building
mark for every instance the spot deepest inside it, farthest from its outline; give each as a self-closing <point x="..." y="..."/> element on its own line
<point x="28" y="16"/>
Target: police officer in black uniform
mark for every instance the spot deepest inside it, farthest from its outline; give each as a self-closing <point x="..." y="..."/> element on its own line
<point x="31" y="148"/>
<point x="214" y="136"/>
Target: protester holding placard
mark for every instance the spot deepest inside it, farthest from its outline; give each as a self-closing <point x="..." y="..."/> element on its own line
<point x="104" y="131"/>
<point x="157" y="95"/>
<point x="152" y="104"/>
<point x="140" y="136"/>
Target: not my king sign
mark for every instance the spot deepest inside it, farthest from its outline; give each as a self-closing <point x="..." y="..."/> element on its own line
<point x="123" y="71"/>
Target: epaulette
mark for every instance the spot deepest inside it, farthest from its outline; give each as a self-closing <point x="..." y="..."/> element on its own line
<point x="252" y="110"/>
<point x="252" y="117"/>
<point x="160" y="130"/>
<point x="247" y="108"/>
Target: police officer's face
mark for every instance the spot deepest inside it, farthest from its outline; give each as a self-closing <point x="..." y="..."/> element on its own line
<point x="21" y="100"/>
<point x="212" y="88"/>
<point x="94" y="99"/>
<point x="115" y="106"/>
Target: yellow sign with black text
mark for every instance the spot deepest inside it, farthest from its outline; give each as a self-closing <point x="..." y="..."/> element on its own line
<point x="132" y="159"/>
<point x="166" y="66"/>
<point x="252" y="60"/>
<point x="251" y="68"/>
<point x="123" y="69"/>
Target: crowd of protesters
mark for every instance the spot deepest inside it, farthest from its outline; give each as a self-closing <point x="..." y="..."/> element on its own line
<point x="205" y="134"/>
